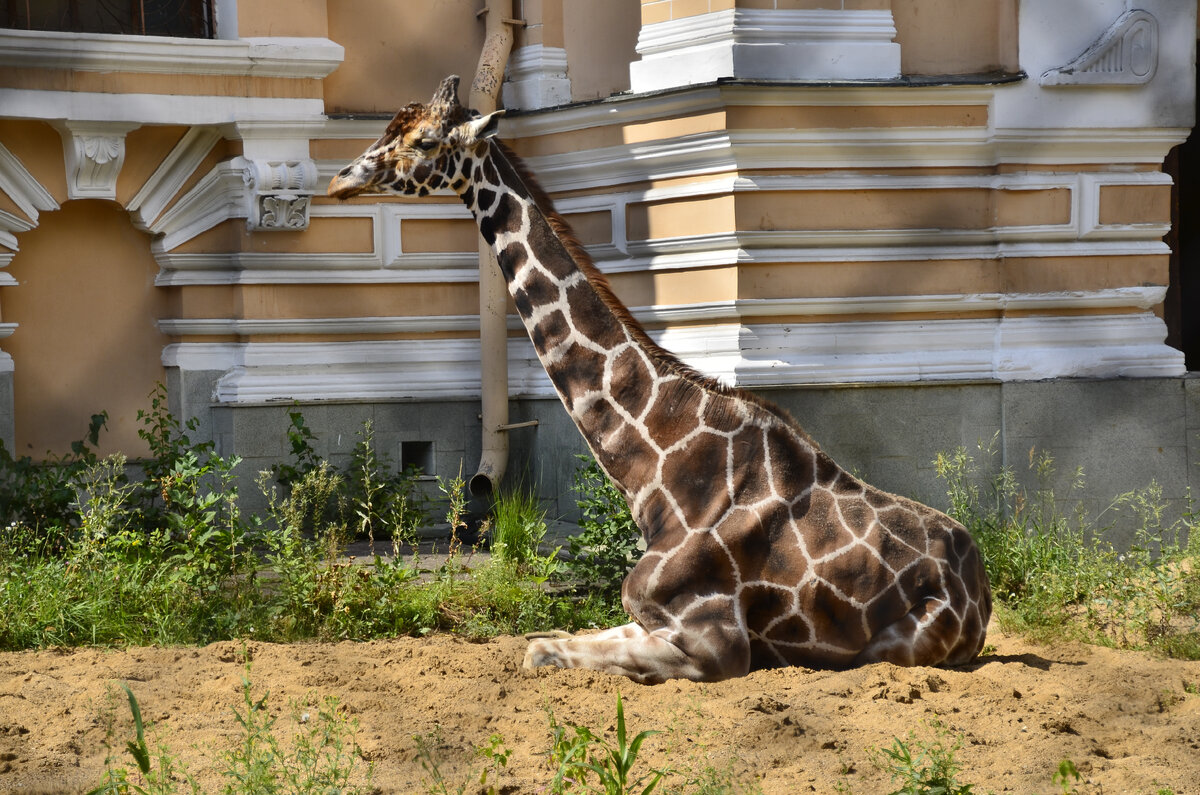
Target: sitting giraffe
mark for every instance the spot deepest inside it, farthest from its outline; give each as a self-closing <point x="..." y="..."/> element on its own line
<point x="760" y="550"/>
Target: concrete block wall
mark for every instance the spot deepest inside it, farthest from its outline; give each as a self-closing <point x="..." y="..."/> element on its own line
<point x="444" y="435"/>
<point x="7" y="416"/>
<point x="1123" y="432"/>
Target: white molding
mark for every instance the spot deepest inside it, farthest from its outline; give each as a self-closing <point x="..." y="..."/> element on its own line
<point x="1080" y="236"/>
<point x="1125" y="55"/>
<point x="766" y="44"/>
<point x="708" y="312"/>
<point x="758" y="355"/>
<point x="218" y="196"/>
<point x="23" y="188"/>
<point x="155" y="108"/>
<point x="171" y="175"/>
<point x="313" y="58"/>
<point x="10" y="226"/>
<point x="249" y="327"/>
<point x="536" y="77"/>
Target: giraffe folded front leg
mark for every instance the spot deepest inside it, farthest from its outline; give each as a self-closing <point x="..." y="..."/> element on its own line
<point x="629" y="650"/>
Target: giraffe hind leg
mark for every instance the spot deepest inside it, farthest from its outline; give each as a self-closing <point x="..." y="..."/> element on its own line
<point x="931" y="633"/>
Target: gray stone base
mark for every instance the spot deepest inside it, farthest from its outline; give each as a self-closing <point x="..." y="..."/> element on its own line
<point x="7" y="412"/>
<point x="1123" y="433"/>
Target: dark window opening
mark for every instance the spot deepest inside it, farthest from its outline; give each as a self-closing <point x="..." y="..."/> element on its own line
<point x="418" y="456"/>
<point x="1182" y="306"/>
<point x="191" y="19"/>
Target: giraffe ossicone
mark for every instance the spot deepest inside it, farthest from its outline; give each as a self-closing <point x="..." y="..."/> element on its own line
<point x="760" y="550"/>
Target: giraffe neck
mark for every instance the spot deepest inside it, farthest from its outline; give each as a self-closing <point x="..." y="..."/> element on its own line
<point x="599" y="359"/>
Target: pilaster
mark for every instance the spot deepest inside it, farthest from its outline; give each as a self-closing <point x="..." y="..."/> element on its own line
<point x="684" y="42"/>
<point x="536" y="76"/>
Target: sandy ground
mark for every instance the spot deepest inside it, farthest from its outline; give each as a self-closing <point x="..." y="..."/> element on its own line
<point x="1129" y="721"/>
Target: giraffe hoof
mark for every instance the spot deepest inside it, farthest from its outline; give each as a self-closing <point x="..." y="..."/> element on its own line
<point x="550" y="633"/>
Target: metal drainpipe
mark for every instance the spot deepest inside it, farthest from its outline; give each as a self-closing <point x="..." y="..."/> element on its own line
<point x="493" y="292"/>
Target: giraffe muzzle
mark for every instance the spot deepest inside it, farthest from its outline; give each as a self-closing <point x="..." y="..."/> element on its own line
<point x="344" y="185"/>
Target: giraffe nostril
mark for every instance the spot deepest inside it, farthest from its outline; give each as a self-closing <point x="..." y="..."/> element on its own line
<point x="345" y="172"/>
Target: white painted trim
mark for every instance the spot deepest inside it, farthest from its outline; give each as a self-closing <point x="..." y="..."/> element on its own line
<point x="22" y="187"/>
<point x="10" y="226"/>
<point x="760" y="355"/>
<point x="1081" y="236"/>
<point x="536" y="77"/>
<point x="766" y="44"/>
<point x="323" y="325"/>
<point x="155" y="108"/>
<point x="218" y="196"/>
<point x="312" y="58"/>
<point x="171" y="175"/>
<point x="755" y="354"/>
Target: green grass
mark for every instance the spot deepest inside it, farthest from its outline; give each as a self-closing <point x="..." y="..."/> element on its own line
<point x="170" y="558"/>
<point x="1054" y="574"/>
<point x="90" y="554"/>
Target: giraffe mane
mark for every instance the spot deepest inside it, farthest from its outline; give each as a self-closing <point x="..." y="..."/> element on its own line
<point x="604" y="290"/>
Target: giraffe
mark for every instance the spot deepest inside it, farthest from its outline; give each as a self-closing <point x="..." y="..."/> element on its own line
<point x="760" y="550"/>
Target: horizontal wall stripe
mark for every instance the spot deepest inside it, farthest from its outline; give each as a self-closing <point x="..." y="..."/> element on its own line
<point x="755" y="355"/>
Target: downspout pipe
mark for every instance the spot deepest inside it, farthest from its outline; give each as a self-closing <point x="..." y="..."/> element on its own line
<point x="493" y="292"/>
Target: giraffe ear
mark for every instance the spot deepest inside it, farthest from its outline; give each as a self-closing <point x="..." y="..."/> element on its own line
<point x="446" y="96"/>
<point x="478" y="129"/>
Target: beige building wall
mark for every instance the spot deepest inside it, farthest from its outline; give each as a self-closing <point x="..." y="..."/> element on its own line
<point x="771" y="206"/>
<point x="86" y="305"/>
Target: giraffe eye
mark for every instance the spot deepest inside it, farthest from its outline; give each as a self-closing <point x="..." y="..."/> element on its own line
<point x="426" y="144"/>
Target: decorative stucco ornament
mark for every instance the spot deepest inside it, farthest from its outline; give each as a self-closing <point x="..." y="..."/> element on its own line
<point x="1125" y="55"/>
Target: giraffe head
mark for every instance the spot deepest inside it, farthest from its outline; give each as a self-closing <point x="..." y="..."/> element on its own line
<point x="420" y="151"/>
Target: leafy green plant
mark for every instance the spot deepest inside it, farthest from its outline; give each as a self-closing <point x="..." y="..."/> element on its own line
<point x="304" y="455"/>
<point x="1066" y="776"/>
<point x="372" y="499"/>
<point x="605" y="549"/>
<point x="157" y="774"/>
<point x="323" y="756"/>
<point x="924" y="767"/>
<point x="1041" y="562"/>
<point x="579" y="755"/>
<point x="1151" y="597"/>
<point x="382" y="501"/>
<point x="38" y="496"/>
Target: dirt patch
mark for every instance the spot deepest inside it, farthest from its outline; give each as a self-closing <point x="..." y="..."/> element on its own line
<point x="1129" y="721"/>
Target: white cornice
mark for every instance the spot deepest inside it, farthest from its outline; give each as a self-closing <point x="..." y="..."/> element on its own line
<point x="759" y="355"/>
<point x="95" y="52"/>
<point x="154" y="108"/>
